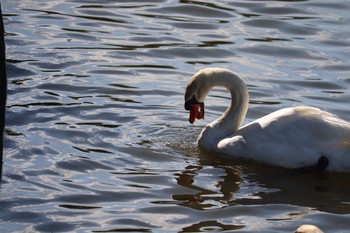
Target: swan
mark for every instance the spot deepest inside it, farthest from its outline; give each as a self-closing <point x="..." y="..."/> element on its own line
<point x="299" y="137"/>
<point x="308" y="229"/>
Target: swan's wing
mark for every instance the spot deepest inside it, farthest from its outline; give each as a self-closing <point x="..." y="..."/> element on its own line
<point x="291" y="137"/>
<point x="304" y="126"/>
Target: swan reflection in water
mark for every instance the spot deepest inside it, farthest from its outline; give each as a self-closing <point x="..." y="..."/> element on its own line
<point x="231" y="190"/>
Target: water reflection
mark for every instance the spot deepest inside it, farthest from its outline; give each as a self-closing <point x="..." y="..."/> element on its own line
<point x="210" y="226"/>
<point x="235" y="182"/>
<point x="208" y="195"/>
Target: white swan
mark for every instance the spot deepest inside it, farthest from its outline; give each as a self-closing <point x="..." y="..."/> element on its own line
<point x="308" y="229"/>
<point x="296" y="137"/>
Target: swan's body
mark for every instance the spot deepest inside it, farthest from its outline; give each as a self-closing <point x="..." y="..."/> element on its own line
<point x="292" y="137"/>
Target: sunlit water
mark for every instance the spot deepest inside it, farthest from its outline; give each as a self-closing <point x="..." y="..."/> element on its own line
<point x="97" y="139"/>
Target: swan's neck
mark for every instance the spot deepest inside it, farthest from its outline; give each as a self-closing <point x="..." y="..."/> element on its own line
<point x="230" y="121"/>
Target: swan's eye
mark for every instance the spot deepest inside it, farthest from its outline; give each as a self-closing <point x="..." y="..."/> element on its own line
<point x="189" y="103"/>
<point x="188" y="107"/>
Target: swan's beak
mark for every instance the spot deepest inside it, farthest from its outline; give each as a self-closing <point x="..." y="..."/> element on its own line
<point x="196" y="109"/>
<point x="196" y="112"/>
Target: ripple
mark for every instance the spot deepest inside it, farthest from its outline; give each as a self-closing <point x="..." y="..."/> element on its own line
<point x="193" y="11"/>
<point x="282" y="26"/>
<point x="82" y="165"/>
<point x="282" y="51"/>
<point x="59" y="226"/>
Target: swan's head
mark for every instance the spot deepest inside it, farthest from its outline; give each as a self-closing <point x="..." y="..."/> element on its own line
<point x="199" y="86"/>
<point x="196" y="91"/>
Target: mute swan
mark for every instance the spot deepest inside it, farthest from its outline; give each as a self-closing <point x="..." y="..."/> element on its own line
<point x="295" y="137"/>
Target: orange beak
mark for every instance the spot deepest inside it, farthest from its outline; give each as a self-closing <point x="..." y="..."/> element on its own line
<point x="196" y="112"/>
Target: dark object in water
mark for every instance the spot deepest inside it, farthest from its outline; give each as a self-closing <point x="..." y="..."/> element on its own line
<point x="3" y="89"/>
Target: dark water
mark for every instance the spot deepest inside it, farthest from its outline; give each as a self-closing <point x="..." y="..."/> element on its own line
<point x="97" y="139"/>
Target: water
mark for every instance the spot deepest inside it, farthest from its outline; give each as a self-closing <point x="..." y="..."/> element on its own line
<point x="97" y="139"/>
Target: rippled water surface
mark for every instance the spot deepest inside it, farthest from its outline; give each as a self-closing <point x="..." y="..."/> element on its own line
<point x="97" y="139"/>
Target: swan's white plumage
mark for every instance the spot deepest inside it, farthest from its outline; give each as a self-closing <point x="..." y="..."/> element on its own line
<point x="291" y="137"/>
<point x="308" y="229"/>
